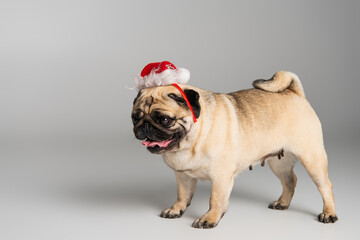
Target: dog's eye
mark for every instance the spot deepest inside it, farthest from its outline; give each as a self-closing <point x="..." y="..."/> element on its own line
<point x="165" y="121"/>
<point x="136" y="118"/>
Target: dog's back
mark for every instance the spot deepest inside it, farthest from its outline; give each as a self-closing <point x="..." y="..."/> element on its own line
<point x="276" y="107"/>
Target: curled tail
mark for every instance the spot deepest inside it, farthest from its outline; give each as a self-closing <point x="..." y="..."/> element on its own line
<point x="279" y="82"/>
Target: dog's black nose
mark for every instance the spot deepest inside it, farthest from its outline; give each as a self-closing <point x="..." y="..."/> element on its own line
<point x="142" y="132"/>
<point x="140" y="135"/>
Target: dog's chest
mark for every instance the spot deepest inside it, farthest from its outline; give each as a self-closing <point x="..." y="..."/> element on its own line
<point x="196" y="167"/>
<point x="202" y="174"/>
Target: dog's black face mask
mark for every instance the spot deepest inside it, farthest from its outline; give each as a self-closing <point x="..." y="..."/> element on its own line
<point x="155" y="130"/>
<point x="159" y="131"/>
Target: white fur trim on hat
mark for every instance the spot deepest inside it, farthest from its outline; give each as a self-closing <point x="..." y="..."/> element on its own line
<point x="166" y="77"/>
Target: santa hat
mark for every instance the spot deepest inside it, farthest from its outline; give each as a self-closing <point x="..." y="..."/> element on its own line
<point x="163" y="74"/>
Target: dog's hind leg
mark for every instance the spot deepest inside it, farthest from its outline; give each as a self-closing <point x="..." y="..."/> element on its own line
<point x="315" y="162"/>
<point x="283" y="169"/>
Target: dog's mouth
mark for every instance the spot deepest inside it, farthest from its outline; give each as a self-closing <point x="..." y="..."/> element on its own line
<point x="153" y="143"/>
<point x="160" y="146"/>
<point x="155" y="146"/>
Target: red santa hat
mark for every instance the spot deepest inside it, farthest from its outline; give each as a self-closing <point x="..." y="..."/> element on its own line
<point x="163" y="74"/>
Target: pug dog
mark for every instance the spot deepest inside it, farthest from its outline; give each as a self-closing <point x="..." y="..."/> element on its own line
<point x="271" y="122"/>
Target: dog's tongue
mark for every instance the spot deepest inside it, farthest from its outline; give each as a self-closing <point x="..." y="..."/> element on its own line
<point x="154" y="143"/>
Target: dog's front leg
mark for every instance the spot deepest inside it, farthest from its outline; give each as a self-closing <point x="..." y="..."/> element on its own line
<point x="219" y="201"/>
<point x="186" y="188"/>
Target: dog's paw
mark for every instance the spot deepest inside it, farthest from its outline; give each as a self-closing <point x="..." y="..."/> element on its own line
<point x="209" y="220"/>
<point x="202" y="223"/>
<point x="278" y="206"/>
<point x="171" y="213"/>
<point x="327" y="218"/>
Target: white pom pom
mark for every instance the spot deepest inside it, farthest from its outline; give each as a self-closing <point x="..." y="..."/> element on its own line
<point x="183" y="75"/>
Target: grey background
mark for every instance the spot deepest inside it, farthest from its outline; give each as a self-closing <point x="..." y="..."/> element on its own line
<point x="70" y="167"/>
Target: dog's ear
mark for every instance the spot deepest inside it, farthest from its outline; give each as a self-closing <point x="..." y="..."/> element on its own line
<point x="178" y="99"/>
<point x="135" y="99"/>
<point x="193" y="98"/>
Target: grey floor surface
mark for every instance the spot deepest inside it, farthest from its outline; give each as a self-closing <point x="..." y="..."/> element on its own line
<point x="105" y="188"/>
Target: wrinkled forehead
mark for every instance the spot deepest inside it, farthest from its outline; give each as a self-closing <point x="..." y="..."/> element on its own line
<point x="156" y="98"/>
